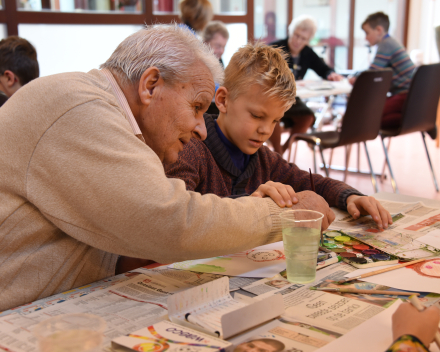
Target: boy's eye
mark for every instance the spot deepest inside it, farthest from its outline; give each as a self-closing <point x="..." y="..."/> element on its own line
<point x="255" y="116"/>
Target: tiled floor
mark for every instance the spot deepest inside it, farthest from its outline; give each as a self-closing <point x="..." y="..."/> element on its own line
<point x="408" y="160"/>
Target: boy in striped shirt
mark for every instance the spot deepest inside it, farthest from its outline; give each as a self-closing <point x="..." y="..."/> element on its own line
<point x="390" y="54"/>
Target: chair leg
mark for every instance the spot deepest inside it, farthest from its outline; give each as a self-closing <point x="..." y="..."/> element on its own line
<point x="314" y="160"/>
<point x="382" y="176"/>
<point x="323" y="161"/>
<point x="430" y="164"/>
<point x="331" y="157"/>
<point x="347" y="160"/>
<point x="373" y="178"/>
<point x="358" y="161"/>
<point x="393" y="181"/>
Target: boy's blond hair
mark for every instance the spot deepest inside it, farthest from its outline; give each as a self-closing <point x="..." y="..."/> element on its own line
<point x="263" y="65"/>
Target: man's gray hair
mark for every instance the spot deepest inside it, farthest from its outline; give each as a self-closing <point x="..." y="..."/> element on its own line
<point x="303" y="22"/>
<point x="173" y="49"/>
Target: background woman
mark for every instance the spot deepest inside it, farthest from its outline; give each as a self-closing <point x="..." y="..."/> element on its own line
<point x="301" y="57"/>
<point x="195" y="14"/>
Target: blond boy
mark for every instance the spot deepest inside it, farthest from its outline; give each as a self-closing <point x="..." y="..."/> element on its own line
<point x="232" y="161"/>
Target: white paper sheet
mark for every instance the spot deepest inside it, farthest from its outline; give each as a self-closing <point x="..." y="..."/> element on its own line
<point x="264" y="261"/>
<point x="431" y="239"/>
<point x="373" y="335"/>
<point x="407" y="278"/>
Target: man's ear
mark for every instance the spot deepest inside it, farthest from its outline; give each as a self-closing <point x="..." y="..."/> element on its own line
<point x="149" y="81"/>
<point x="11" y="78"/>
<point x="221" y="99"/>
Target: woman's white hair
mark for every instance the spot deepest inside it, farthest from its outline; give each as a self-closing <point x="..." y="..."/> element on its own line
<point x="173" y="49"/>
<point x="303" y="22"/>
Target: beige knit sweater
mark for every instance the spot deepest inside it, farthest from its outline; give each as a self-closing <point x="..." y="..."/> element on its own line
<point x="77" y="189"/>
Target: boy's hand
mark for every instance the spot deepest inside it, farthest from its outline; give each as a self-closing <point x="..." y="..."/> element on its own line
<point x="334" y="77"/>
<point x="363" y="205"/>
<point x="407" y="320"/>
<point x="283" y="195"/>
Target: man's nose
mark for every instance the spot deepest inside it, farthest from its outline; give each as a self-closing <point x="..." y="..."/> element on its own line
<point x="199" y="131"/>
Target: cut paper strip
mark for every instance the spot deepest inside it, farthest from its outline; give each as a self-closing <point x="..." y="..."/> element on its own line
<point x="420" y="277"/>
<point x="263" y="261"/>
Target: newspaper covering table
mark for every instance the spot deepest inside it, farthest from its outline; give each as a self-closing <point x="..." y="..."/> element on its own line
<point x="312" y="319"/>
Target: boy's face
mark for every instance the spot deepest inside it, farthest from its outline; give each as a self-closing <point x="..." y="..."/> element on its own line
<point x="249" y="120"/>
<point x="373" y="35"/>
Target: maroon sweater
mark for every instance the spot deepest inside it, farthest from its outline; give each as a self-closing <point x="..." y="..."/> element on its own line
<point x="206" y="167"/>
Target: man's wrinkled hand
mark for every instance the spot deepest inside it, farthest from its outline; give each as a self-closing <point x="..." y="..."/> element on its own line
<point x="311" y="201"/>
<point x="363" y="205"/>
<point x="282" y="194"/>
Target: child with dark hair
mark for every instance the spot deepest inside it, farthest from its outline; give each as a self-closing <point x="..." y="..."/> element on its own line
<point x="18" y="64"/>
<point x="390" y="54"/>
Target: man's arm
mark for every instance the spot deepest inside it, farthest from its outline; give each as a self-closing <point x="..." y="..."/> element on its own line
<point x="97" y="182"/>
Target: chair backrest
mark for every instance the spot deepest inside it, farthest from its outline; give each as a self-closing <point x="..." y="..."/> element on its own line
<point x="420" y="109"/>
<point x="365" y="107"/>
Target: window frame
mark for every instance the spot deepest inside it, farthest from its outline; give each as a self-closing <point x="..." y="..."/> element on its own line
<point x="12" y="17"/>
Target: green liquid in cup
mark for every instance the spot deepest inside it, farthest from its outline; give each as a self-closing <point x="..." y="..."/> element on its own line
<point x="301" y="251"/>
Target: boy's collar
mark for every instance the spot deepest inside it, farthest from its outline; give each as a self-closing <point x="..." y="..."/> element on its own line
<point x="221" y="154"/>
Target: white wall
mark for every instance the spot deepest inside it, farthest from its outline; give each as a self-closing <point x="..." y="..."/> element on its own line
<point x="424" y="17"/>
<point x="66" y="48"/>
<point x="3" y="31"/>
<point x="237" y="38"/>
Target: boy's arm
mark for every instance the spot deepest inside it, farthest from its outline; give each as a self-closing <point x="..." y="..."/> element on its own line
<point x="333" y="191"/>
<point x="382" y="58"/>
<point x="187" y="167"/>
<point x="336" y="193"/>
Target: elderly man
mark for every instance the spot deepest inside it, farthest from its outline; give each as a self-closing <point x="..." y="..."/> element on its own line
<point x="81" y="174"/>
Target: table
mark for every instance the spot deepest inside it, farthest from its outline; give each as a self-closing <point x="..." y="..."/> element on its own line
<point x="304" y="88"/>
<point x="80" y="297"/>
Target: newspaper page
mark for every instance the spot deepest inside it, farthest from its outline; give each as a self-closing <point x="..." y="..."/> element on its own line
<point x="282" y="335"/>
<point x="194" y="278"/>
<point x="121" y="315"/>
<point x="411" y="221"/>
<point x="68" y="295"/>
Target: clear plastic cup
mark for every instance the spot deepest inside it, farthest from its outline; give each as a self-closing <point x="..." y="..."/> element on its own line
<point x="70" y="333"/>
<point x="301" y="236"/>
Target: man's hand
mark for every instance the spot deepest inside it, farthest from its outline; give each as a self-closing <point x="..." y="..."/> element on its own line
<point x="363" y="205"/>
<point x="334" y="77"/>
<point x="311" y="201"/>
<point x="283" y="195"/>
<point x="407" y="320"/>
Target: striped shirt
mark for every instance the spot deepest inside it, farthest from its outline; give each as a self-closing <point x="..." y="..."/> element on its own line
<point x="391" y="54"/>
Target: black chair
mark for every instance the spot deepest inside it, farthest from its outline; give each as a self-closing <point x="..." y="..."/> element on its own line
<point x="361" y="120"/>
<point x="419" y="112"/>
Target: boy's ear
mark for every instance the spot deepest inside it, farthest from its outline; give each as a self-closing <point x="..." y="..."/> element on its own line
<point x="148" y="82"/>
<point x="10" y="78"/>
<point x="221" y="99"/>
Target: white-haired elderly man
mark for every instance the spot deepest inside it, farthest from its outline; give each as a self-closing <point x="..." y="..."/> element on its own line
<point x="81" y="175"/>
<point x="300" y="58"/>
